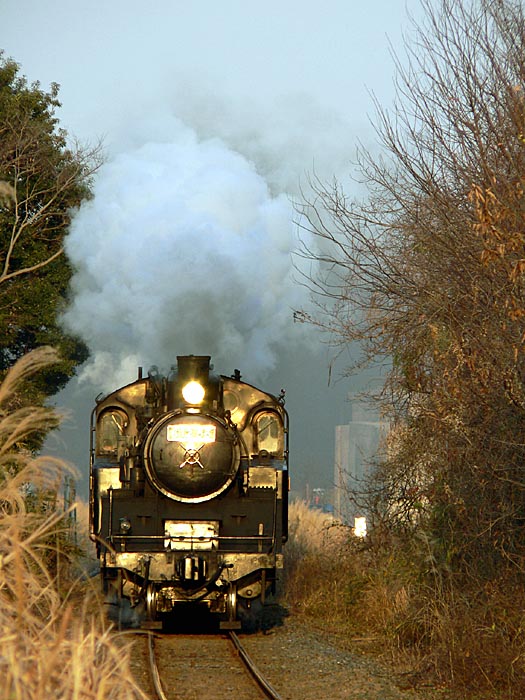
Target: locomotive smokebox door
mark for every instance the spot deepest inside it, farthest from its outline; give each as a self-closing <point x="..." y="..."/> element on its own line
<point x="191" y="458"/>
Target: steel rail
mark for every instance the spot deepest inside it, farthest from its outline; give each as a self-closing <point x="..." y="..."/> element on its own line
<point x="249" y="665"/>
<point x="155" y="675"/>
<point x="265" y="686"/>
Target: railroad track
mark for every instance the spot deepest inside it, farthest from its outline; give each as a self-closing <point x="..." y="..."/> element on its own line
<point x="200" y="666"/>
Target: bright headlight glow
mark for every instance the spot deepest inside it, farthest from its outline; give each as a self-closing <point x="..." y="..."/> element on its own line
<point x="193" y="392"/>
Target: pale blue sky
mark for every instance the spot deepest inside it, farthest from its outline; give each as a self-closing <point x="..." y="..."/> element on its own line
<point x="115" y="56"/>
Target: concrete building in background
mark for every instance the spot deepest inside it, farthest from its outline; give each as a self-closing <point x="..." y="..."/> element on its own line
<point x="355" y="445"/>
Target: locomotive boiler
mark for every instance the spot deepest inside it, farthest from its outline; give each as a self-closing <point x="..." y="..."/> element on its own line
<point x="189" y="493"/>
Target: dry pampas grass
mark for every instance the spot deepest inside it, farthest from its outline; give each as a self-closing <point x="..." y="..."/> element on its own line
<point x="52" y="645"/>
<point x="317" y="563"/>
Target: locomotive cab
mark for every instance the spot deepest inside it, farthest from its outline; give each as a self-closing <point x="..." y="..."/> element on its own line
<point x="189" y="488"/>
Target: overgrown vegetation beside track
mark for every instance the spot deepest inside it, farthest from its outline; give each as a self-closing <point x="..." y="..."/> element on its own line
<point x="385" y="596"/>
<point x="53" y="642"/>
<point x="427" y="273"/>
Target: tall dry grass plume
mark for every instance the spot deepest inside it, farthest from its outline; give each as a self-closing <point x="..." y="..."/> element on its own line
<point x="52" y="645"/>
<point x="336" y="577"/>
<point x="316" y="565"/>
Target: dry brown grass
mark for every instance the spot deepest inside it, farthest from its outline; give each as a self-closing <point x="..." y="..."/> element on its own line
<point x="52" y="645"/>
<point x="467" y="636"/>
<point x="316" y="563"/>
<point x="332" y="575"/>
<point x="470" y="638"/>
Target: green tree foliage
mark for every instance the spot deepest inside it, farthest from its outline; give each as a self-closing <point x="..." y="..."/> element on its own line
<point x="429" y="271"/>
<point x="42" y="179"/>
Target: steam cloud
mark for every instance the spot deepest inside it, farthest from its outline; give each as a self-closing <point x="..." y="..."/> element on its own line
<point x="182" y="250"/>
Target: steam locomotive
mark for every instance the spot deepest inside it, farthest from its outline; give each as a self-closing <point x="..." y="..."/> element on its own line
<point x="189" y="493"/>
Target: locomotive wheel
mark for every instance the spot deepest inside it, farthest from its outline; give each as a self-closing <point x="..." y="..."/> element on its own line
<point x="151" y="601"/>
<point x="231" y="621"/>
<point x="231" y="602"/>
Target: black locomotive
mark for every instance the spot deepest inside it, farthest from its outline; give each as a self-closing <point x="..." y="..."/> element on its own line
<point x="189" y="492"/>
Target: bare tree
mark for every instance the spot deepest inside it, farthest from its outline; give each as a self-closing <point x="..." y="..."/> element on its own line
<point x="429" y="270"/>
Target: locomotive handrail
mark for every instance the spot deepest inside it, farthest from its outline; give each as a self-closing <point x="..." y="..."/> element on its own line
<point x="189" y="540"/>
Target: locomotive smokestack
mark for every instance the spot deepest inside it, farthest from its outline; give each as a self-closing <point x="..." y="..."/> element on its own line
<point x="193" y="368"/>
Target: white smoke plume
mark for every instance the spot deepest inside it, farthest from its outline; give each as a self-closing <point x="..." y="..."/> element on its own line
<point x="290" y="139"/>
<point x="182" y="250"/>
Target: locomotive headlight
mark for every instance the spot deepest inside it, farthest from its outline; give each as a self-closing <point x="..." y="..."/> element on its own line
<point x="193" y="393"/>
<point x="125" y="525"/>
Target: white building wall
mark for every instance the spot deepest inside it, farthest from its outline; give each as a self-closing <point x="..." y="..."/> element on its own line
<point x="355" y="445"/>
